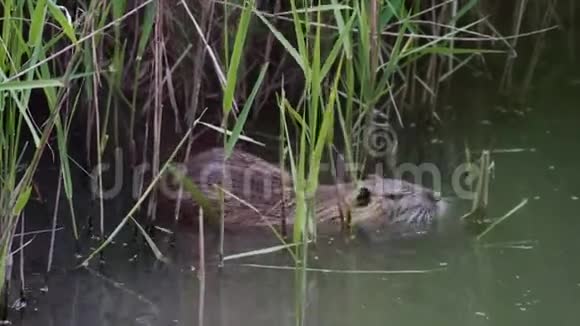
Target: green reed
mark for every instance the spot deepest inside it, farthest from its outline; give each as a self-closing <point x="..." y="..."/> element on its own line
<point x="35" y="35"/>
<point x="314" y="118"/>
<point x="25" y="67"/>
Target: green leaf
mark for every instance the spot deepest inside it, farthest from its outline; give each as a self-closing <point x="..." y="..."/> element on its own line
<point x="386" y="13"/>
<point x="64" y="21"/>
<point x="300" y="37"/>
<point x="344" y="31"/>
<point x="232" y="76"/>
<point x="37" y="24"/>
<point x="244" y="114"/>
<point x="146" y="28"/>
<point x="327" y="124"/>
<point x="22" y="201"/>
<point x="23" y="112"/>
<point x="285" y="43"/>
<point x="196" y="194"/>
<point x="30" y="84"/>
<point x="294" y="114"/>
<point x="119" y="7"/>
<point x="342" y="40"/>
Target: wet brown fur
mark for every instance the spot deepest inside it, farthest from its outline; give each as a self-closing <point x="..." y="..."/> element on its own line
<point x="257" y="193"/>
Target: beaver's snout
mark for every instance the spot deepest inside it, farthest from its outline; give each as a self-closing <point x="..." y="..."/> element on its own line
<point x="434" y="196"/>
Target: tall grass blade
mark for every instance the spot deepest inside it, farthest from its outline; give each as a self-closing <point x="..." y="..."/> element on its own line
<point x="285" y="43"/>
<point x="146" y="28"/>
<point x="341" y="43"/>
<point x="64" y="21"/>
<point x="21" y="201"/>
<point x="344" y="30"/>
<point x="232" y="75"/>
<point x="241" y="121"/>
<point x="325" y="129"/>
<point x="30" y="84"/>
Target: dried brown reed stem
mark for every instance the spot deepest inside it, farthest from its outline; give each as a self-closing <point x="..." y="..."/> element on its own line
<point x="158" y="64"/>
<point x="506" y="80"/>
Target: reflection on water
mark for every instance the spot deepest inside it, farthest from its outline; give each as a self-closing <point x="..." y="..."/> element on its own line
<point x="525" y="272"/>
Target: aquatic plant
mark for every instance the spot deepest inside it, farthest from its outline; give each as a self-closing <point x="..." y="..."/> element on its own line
<point x="25" y="63"/>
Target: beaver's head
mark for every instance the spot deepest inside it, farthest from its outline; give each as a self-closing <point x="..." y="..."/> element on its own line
<point x="386" y="206"/>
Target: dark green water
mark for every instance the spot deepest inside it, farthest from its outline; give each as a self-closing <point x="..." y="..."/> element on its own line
<point x="491" y="282"/>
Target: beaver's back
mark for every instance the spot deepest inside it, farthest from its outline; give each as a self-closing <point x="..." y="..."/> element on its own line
<point x="248" y="180"/>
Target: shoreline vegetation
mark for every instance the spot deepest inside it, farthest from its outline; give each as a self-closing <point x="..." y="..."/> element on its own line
<point x="146" y="77"/>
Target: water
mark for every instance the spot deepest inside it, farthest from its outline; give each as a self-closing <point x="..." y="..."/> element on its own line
<point x="526" y="271"/>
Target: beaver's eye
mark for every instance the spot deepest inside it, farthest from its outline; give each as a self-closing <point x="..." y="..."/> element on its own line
<point x="364" y="197"/>
<point x="394" y="196"/>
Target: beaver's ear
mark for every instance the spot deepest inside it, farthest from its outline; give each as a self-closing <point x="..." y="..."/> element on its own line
<point x="377" y="181"/>
<point x="363" y="198"/>
<point x="374" y="176"/>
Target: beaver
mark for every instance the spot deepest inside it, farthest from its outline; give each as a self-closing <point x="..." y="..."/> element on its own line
<point x="257" y="193"/>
